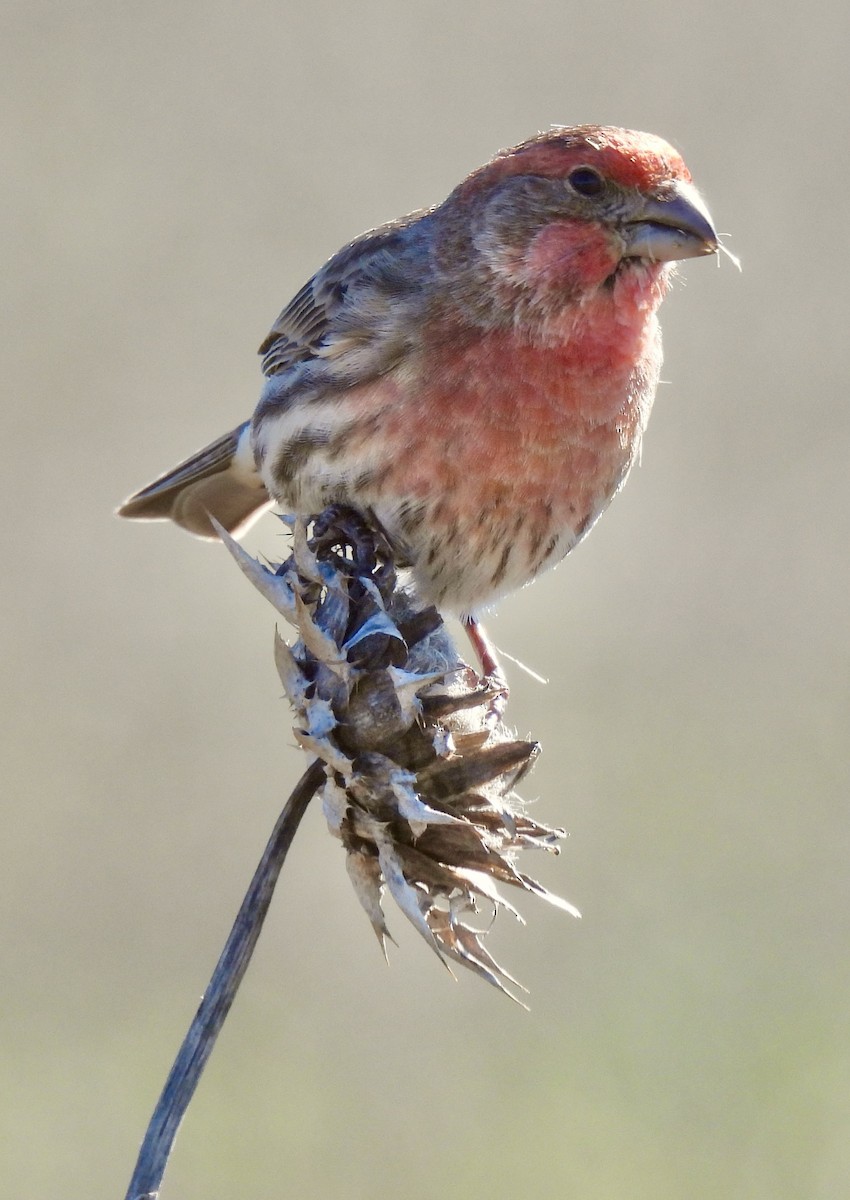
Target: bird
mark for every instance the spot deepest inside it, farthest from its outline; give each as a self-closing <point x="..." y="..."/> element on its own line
<point x="477" y="376"/>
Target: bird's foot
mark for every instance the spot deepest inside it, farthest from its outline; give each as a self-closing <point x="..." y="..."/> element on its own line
<point x="493" y="677"/>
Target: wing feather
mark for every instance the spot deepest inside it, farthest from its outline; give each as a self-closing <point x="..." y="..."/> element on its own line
<point x="347" y="303"/>
<point x="211" y="460"/>
<point x="220" y="479"/>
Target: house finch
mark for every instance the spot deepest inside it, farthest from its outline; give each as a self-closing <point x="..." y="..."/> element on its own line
<point x="476" y="376"/>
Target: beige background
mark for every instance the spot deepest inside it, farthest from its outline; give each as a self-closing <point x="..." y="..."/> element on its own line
<point x="171" y="174"/>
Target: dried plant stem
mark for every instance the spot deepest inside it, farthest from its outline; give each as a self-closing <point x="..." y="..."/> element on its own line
<point x="215" y="1005"/>
<point x="414" y="765"/>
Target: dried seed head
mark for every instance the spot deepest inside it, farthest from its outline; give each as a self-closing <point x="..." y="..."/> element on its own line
<point x="419" y="788"/>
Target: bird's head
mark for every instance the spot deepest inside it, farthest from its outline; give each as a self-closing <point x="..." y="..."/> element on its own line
<point x="571" y="210"/>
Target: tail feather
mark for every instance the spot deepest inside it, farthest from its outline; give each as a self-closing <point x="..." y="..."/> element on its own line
<point x="221" y="480"/>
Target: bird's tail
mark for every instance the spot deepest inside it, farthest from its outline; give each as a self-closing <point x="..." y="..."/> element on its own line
<point x="221" y="480"/>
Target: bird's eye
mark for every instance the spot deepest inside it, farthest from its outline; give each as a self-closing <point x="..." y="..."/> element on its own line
<point x="586" y="181"/>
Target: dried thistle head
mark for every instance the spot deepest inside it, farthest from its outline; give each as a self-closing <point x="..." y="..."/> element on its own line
<point x="419" y="787"/>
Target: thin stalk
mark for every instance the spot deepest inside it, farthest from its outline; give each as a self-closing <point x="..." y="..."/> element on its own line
<point x="215" y="1005"/>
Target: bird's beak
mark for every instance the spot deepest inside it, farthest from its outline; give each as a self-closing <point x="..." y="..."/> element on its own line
<point x="675" y="224"/>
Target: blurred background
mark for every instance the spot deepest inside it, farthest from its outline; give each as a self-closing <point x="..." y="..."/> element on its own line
<point x="172" y="174"/>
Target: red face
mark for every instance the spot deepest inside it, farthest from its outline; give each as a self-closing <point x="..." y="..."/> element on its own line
<point x="554" y="218"/>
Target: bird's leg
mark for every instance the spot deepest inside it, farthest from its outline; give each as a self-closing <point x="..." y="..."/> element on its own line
<point x="494" y="676"/>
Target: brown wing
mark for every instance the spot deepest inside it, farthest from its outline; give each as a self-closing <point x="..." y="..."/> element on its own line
<point x="347" y="303"/>
<point x="355" y="318"/>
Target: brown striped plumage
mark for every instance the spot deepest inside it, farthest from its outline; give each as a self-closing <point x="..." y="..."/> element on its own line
<point x="477" y="375"/>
